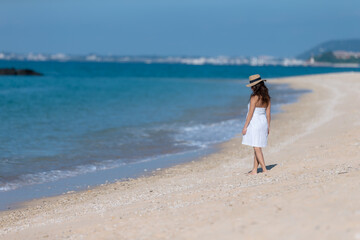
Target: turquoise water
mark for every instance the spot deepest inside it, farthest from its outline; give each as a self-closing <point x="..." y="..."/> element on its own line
<point x="86" y="117"/>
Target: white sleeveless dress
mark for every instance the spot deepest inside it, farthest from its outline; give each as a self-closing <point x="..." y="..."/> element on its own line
<point x="257" y="130"/>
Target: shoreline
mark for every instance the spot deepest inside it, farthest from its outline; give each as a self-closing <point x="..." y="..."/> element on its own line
<point x="310" y="126"/>
<point x="15" y="198"/>
<point x="12" y="199"/>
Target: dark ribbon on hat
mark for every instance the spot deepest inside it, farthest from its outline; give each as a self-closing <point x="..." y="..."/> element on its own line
<point x="259" y="78"/>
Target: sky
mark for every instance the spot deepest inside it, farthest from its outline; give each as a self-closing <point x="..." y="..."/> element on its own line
<point x="282" y="28"/>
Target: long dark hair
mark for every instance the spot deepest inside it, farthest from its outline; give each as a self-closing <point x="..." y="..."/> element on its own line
<point x="262" y="92"/>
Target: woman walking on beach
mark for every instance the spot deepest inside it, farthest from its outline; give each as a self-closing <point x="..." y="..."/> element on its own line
<point x="257" y="124"/>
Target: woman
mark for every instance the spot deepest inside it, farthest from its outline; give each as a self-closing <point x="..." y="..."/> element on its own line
<point x="257" y="124"/>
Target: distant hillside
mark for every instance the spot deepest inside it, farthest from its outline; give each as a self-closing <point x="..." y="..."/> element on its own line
<point x="334" y="45"/>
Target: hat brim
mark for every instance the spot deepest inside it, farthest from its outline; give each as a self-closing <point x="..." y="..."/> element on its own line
<point x="254" y="83"/>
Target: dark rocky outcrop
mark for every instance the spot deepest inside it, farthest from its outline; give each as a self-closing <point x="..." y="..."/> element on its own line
<point x="23" y="72"/>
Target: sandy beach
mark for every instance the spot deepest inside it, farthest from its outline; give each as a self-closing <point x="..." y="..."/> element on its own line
<point x="311" y="191"/>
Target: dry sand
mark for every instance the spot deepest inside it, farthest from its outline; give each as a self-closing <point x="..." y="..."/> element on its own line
<point x="311" y="192"/>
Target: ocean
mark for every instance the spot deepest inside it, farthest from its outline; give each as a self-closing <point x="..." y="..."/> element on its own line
<point x="89" y="117"/>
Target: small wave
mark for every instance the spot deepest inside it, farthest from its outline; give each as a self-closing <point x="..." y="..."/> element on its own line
<point x="25" y="90"/>
<point x="203" y="135"/>
<point x="54" y="175"/>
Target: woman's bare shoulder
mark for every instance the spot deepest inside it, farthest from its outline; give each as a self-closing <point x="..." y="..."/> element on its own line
<point x="254" y="98"/>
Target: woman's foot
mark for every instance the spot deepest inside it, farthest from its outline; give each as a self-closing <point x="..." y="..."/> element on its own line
<point x="252" y="172"/>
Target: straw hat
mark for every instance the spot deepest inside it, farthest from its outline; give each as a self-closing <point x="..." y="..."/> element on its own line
<point x="254" y="79"/>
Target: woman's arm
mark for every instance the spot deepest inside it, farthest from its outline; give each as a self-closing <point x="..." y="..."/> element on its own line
<point x="253" y="101"/>
<point x="268" y="115"/>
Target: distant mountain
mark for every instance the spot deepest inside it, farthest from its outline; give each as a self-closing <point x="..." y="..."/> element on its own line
<point x="351" y="45"/>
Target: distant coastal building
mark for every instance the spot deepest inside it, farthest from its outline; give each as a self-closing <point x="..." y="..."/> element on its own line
<point x="263" y="60"/>
<point x="346" y="54"/>
<point x="312" y="60"/>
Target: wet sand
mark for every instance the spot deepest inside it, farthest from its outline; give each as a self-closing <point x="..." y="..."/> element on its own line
<point x="311" y="191"/>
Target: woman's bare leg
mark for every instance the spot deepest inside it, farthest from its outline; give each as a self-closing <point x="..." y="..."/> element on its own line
<point x="260" y="158"/>
<point x="256" y="165"/>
